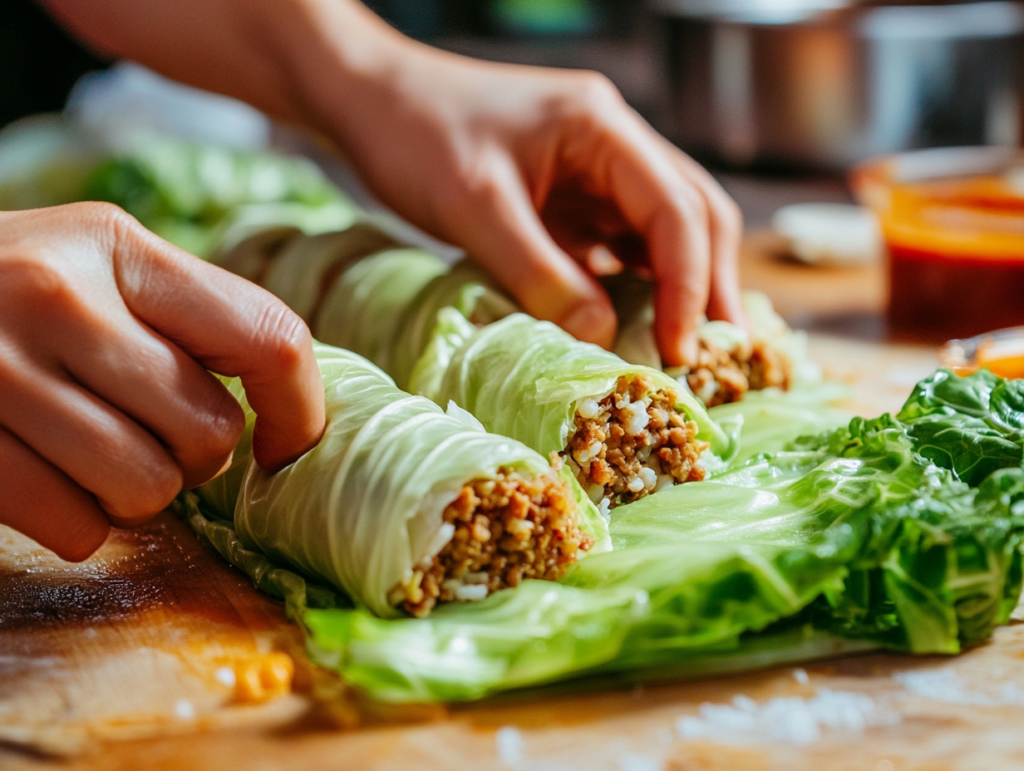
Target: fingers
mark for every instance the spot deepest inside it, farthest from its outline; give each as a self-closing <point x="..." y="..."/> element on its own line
<point x="507" y="237"/>
<point x="163" y="389"/>
<point x="691" y="228"/>
<point x="234" y="328"/>
<point x="726" y="230"/>
<point x="673" y="217"/>
<point x="44" y="504"/>
<point x="131" y="476"/>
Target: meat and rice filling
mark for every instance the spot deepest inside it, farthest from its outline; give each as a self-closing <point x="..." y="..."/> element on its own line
<point x="633" y="443"/>
<point x="723" y="377"/>
<point x="504" y="530"/>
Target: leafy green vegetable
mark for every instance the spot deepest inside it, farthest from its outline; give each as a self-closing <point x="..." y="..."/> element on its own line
<point x="770" y="419"/>
<point x="44" y="161"/>
<point x="364" y="507"/>
<point x="891" y="548"/>
<point x="466" y="289"/>
<point x="364" y="310"/>
<point x="848" y="534"/>
<point x="201" y="196"/>
<point x="524" y="378"/>
<point x="971" y="425"/>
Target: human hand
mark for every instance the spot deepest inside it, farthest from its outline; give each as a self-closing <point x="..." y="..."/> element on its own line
<point x="107" y="409"/>
<point x="531" y="170"/>
<point x="535" y="172"/>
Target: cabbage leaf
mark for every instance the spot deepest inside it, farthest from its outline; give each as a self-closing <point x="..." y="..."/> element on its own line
<point x="363" y="507"/>
<point x="972" y="425"/>
<point x="524" y="378"/>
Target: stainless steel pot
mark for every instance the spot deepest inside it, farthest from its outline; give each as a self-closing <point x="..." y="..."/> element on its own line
<point x="827" y="83"/>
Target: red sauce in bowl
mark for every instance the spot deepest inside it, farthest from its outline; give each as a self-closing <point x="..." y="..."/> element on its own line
<point x="955" y="243"/>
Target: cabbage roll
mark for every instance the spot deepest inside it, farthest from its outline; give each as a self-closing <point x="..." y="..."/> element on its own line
<point x="731" y="361"/>
<point x="362" y="291"/>
<point x="625" y="431"/>
<point x="402" y="505"/>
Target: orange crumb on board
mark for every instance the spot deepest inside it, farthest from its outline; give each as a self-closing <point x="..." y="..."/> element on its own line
<point x="262" y="678"/>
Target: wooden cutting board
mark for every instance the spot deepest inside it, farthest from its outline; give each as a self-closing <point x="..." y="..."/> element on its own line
<point x="128" y="660"/>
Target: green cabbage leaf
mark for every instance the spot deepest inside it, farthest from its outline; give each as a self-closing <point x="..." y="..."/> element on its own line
<point x="524" y="378"/>
<point x="845" y="538"/>
<point x="854" y="535"/>
<point x="970" y="425"/>
<point x="365" y="506"/>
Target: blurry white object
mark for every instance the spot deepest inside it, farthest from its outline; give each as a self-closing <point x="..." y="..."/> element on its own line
<point x="129" y="100"/>
<point x="827" y="233"/>
<point x="1015" y="179"/>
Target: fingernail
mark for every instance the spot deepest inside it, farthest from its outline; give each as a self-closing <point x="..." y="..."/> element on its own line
<point x="591" y="323"/>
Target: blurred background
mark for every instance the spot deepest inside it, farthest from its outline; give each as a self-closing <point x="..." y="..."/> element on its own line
<point x="777" y="85"/>
<point x="797" y="88"/>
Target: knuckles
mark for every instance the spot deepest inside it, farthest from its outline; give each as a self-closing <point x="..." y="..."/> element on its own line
<point x="285" y="340"/>
<point x="39" y="284"/>
<point x="595" y="90"/>
<point x="104" y="218"/>
<point x="591" y="96"/>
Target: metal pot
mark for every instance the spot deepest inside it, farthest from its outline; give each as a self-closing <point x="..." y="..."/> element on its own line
<point x="827" y="83"/>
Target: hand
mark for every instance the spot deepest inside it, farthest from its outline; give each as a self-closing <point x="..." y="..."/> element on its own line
<point x="534" y="172"/>
<point x="106" y="406"/>
<point x="528" y="169"/>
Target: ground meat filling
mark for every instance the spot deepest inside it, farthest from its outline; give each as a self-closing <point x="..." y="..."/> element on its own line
<point x="505" y="530"/>
<point x="723" y="377"/>
<point x="633" y="443"/>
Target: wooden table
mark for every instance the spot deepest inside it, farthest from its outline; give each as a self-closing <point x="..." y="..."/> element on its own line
<point x="121" y="662"/>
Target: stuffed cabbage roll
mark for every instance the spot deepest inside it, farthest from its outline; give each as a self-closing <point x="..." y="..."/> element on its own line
<point x="402" y="505"/>
<point x="731" y="361"/>
<point x="362" y="291"/>
<point x="626" y="431"/>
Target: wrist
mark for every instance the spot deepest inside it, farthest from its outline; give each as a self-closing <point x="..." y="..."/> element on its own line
<point x="343" y="63"/>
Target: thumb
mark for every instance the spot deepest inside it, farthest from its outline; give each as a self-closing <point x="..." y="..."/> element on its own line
<point x="508" y="238"/>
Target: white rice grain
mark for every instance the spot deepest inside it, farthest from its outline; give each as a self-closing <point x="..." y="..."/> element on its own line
<point x="636" y="418"/>
<point x="471" y="593"/>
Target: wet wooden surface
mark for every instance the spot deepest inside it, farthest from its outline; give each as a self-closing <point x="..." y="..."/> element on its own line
<point x="119" y="663"/>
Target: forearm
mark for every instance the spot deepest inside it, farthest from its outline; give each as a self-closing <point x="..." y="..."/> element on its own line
<point x="274" y="54"/>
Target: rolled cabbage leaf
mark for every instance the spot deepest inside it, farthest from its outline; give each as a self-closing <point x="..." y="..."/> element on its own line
<point x="845" y="540"/>
<point x="468" y="289"/>
<point x="734" y="361"/>
<point x="363" y="510"/>
<point x="529" y="380"/>
<point x="365" y="308"/>
<point x="304" y="269"/>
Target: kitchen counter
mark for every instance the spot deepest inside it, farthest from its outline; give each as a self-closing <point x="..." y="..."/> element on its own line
<point x="127" y="660"/>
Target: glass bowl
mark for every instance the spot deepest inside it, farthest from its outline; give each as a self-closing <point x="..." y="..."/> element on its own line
<point x="953" y="224"/>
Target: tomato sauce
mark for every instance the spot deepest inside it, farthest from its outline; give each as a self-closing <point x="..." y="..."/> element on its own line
<point x="956" y="255"/>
